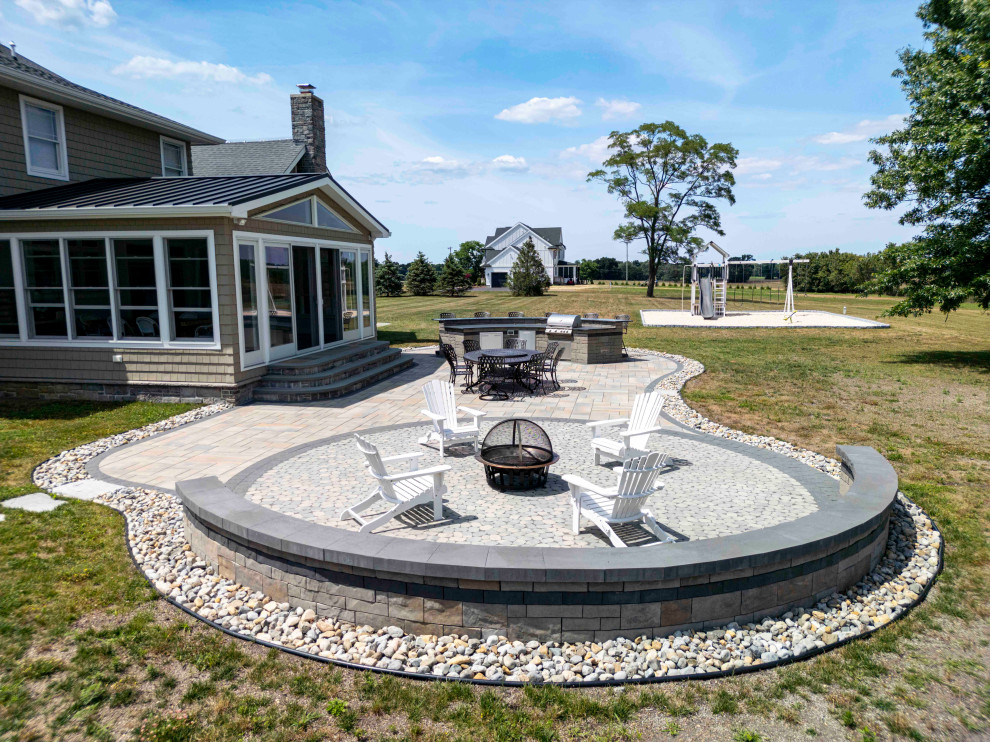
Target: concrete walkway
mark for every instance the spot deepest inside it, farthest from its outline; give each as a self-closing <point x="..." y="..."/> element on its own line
<point x="226" y="444"/>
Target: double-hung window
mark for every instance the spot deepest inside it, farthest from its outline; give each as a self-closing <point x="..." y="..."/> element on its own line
<point x="173" y="158"/>
<point x="44" y="139"/>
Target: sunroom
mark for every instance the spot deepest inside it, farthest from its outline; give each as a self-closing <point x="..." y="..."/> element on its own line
<point x="181" y="281"/>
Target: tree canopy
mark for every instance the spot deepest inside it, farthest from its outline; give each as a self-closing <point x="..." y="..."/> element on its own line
<point x="528" y="276"/>
<point x="668" y="182"/>
<point x="939" y="165"/>
<point x="453" y="280"/>
<point x="387" y="279"/>
<point x="471" y="255"/>
<point x="421" y="276"/>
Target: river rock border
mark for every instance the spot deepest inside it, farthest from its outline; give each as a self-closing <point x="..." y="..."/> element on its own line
<point x="902" y="577"/>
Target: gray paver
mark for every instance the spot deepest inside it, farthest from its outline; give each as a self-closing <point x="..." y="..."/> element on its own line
<point x="86" y="489"/>
<point x="36" y="502"/>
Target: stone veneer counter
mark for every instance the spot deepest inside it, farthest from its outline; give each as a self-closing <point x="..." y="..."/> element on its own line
<point x="548" y="593"/>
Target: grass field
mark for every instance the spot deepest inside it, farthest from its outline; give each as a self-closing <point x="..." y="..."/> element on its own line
<point x="87" y="652"/>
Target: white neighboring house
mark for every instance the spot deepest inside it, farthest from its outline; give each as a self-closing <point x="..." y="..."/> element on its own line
<point x="502" y="248"/>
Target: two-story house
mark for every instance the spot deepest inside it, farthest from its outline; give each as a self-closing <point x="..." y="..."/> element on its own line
<point x="126" y="274"/>
<point x="502" y="248"/>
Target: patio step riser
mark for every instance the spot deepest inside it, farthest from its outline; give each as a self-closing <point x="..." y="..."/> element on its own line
<point x="331" y="376"/>
<point x="339" y="389"/>
<point x="349" y="354"/>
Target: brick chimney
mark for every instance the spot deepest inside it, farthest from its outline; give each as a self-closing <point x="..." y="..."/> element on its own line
<point x="308" y="128"/>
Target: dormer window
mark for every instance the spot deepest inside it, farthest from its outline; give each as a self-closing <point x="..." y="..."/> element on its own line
<point x="173" y="158"/>
<point x="44" y="139"/>
<point x="310" y="211"/>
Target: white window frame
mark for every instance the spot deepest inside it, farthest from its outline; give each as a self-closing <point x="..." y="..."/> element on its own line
<point x="312" y="215"/>
<point x="162" y="141"/>
<point x="161" y="278"/>
<point x="63" y="172"/>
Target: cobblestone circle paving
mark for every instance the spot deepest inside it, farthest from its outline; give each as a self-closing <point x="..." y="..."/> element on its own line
<point x="708" y="491"/>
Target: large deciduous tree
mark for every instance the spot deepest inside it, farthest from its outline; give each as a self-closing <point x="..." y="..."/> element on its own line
<point x="668" y="182"/>
<point x="528" y="276"/>
<point x="421" y="276"/>
<point x="939" y="165"/>
<point x="471" y="255"/>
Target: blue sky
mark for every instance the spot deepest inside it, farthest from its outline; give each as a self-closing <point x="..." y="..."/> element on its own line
<point x="449" y="119"/>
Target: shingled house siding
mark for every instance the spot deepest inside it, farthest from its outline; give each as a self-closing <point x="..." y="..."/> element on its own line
<point x="193" y="369"/>
<point x="97" y="147"/>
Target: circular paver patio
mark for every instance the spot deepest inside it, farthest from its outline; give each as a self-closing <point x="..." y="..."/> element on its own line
<point x="711" y="489"/>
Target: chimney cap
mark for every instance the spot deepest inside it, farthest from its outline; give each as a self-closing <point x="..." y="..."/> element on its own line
<point x="305" y="88"/>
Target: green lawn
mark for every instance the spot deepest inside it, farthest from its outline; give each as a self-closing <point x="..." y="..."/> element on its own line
<point x="86" y="651"/>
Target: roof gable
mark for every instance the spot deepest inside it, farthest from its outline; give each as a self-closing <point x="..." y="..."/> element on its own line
<point x="25" y="75"/>
<point x="553" y="236"/>
<point x="272" y="157"/>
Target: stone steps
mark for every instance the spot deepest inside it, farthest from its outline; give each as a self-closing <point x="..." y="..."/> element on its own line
<point x="332" y="373"/>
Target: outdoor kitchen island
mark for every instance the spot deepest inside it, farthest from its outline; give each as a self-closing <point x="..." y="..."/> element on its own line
<point x="583" y="340"/>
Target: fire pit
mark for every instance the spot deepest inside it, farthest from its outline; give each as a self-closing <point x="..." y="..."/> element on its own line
<point x="517" y="455"/>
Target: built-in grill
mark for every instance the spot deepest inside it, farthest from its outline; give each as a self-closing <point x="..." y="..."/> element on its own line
<point x="562" y="324"/>
<point x="517" y="454"/>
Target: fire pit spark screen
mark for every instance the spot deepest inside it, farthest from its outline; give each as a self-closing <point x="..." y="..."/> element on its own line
<point x="517" y="454"/>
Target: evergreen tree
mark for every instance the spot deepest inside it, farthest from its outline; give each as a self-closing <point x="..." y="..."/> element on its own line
<point x="421" y="276"/>
<point x="453" y="280"/>
<point x="387" y="281"/>
<point x="528" y="276"/>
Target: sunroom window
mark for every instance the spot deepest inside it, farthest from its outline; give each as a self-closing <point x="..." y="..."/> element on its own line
<point x="189" y="289"/>
<point x="300" y="212"/>
<point x="326" y="218"/>
<point x="137" y="293"/>
<point x="43" y="284"/>
<point x="90" y="286"/>
<point x="8" y="295"/>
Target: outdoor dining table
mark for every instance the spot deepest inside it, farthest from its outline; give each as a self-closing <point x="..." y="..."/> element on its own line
<point x="510" y="356"/>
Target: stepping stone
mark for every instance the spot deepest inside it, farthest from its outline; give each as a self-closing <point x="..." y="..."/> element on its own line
<point x="36" y="502"/>
<point x="2" y="517"/>
<point x="86" y="489"/>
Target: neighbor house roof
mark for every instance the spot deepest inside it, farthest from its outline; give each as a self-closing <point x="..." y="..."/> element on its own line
<point x="271" y="157"/>
<point x="231" y="196"/>
<point x="553" y="235"/>
<point x="26" y="76"/>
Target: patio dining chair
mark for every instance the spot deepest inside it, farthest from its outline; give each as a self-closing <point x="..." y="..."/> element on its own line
<point x="482" y="315"/>
<point x="624" y="503"/>
<point x="399" y="492"/>
<point x="642" y="421"/>
<point x="534" y="372"/>
<point x="442" y="409"/>
<point x="493" y="374"/>
<point x="471" y="345"/>
<point x="590" y="315"/>
<point x="516" y="314"/>
<point x="457" y="367"/>
<point x="550" y="361"/>
<point x="447" y="315"/>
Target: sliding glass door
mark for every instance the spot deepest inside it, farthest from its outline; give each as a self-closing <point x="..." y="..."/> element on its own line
<point x="299" y="298"/>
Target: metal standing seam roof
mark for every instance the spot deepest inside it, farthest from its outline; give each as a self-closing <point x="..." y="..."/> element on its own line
<point x="182" y="191"/>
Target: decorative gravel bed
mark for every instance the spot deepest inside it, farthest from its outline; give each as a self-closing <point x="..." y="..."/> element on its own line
<point x="155" y="535"/>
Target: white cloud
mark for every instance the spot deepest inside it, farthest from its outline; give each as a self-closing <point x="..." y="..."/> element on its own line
<point x="596" y="151"/>
<point x="747" y="165"/>
<point x="156" y="67"/>
<point x="509" y="162"/>
<point x="70" y="13"/>
<point x="862" y="131"/>
<point x="542" y="111"/>
<point x="803" y="163"/>
<point x="617" y="109"/>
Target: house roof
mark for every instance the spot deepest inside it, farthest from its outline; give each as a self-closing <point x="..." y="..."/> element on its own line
<point x="553" y="235"/>
<point x="271" y="157"/>
<point x="221" y="195"/>
<point x="27" y="76"/>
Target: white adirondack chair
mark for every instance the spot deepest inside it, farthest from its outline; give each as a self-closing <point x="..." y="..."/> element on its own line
<point x="442" y="410"/>
<point x="640" y="423"/>
<point x="623" y="503"/>
<point x="400" y="491"/>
